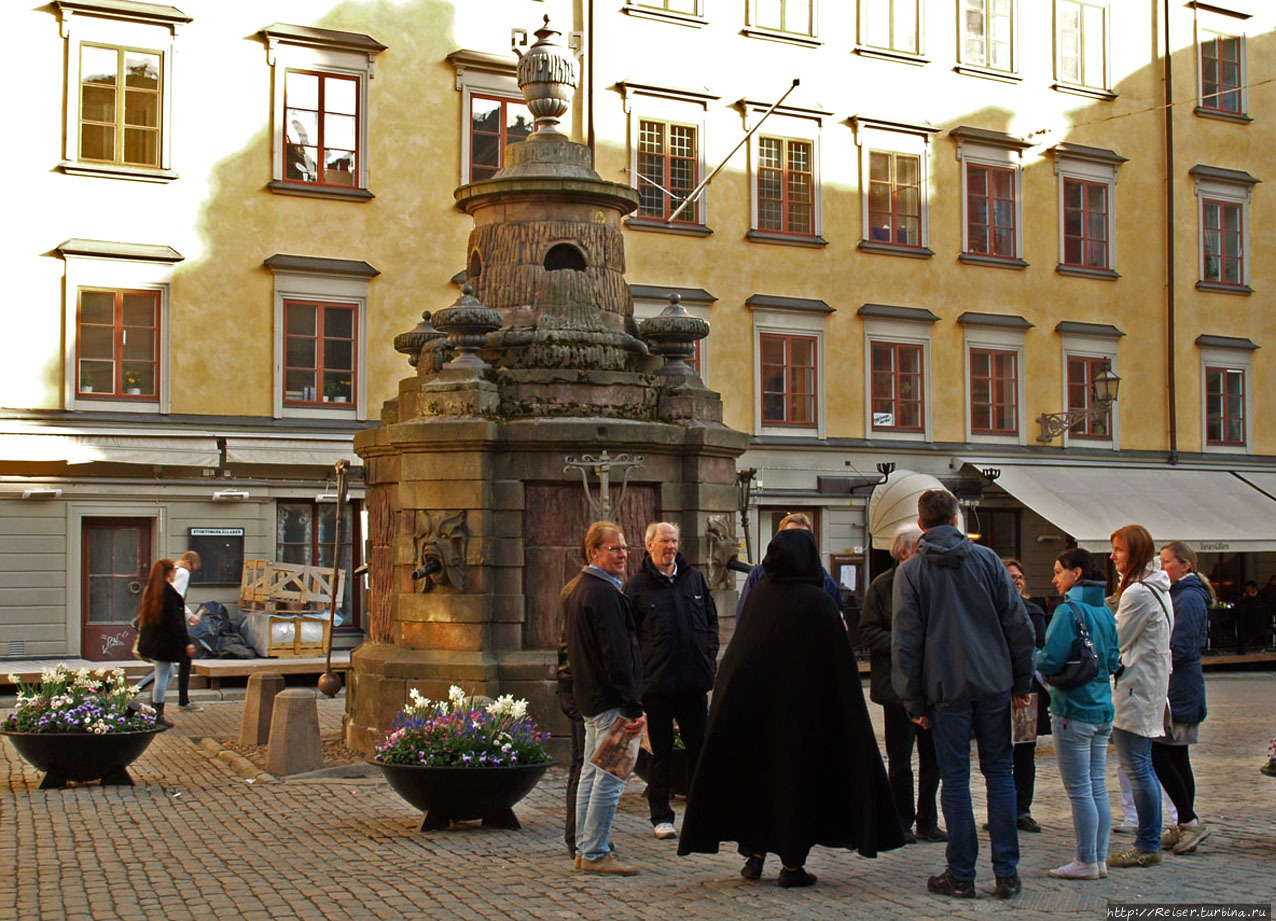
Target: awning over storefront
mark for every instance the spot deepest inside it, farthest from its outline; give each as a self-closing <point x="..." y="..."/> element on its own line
<point x="893" y="505"/>
<point x="167" y="450"/>
<point x="1213" y="510"/>
<point x="292" y="451"/>
<point x="1264" y="480"/>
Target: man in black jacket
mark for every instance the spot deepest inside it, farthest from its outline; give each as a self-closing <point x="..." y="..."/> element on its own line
<point x="678" y="635"/>
<point x="606" y="671"/>
<point x="961" y="649"/>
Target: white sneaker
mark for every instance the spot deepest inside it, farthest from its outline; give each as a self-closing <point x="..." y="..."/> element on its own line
<point x="665" y="830"/>
<point x="1075" y="869"/>
<point x="1103" y="869"/>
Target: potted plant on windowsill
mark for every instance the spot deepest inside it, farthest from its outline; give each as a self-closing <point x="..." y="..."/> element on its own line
<point x="337" y="392"/>
<point x="456" y="759"/>
<point x="79" y="726"/>
<point x="132" y="382"/>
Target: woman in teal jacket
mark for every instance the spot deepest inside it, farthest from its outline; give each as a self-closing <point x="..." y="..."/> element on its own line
<point x="1081" y="717"/>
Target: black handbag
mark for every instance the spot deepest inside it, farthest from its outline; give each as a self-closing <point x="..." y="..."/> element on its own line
<point x="1083" y="662"/>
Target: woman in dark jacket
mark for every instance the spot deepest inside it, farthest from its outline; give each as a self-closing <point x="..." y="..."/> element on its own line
<point x="1192" y="597"/>
<point x="162" y="635"/>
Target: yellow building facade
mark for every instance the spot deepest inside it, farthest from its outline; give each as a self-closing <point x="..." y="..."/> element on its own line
<point x="961" y="213"/>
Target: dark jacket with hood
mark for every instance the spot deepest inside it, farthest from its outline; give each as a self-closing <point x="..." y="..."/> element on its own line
<point x="1191" y="601"/>
<point x="790" y="759"/>
<point x="602" y="646"/>
<point x="961" y="633"/>
<point x="677" y="629"/>
<point x="875" y="633"/>
<point x="166" y="639"/>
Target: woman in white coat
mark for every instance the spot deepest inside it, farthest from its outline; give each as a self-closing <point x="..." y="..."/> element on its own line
<point x="1144" y="624"/>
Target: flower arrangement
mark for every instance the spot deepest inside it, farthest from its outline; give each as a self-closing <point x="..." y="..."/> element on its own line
<point x="97" y="702"/>
<point x="132" y="379"/>
<point x="458" y="733"/>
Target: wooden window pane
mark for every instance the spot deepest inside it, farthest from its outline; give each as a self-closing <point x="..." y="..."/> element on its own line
<point x="302" y="90"/>
<point x="341" y="96"/>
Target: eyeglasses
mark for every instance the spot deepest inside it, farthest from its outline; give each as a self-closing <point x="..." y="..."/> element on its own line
<point x="617" y="548"/>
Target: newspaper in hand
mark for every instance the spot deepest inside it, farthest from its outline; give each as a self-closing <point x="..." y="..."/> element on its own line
<point x="618" y="751"/>
<point x="1023" y="720"/>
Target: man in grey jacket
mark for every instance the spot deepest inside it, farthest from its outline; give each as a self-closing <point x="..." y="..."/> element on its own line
<point x="961" y="648"/>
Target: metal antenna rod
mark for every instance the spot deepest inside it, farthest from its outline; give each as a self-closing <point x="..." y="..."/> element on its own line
<point x="695" y="193"/>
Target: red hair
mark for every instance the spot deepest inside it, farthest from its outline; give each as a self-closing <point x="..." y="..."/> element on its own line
<point x="1139" y="551"/>
<point x="152" y="606"/>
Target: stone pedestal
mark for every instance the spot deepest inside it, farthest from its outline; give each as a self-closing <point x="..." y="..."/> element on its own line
<point x="259" y="705"/>
<point x="294" y="734"/>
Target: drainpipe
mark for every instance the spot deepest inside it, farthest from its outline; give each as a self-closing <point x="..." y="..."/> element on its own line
<point x="1171" y="362"/>
<point x="589" y="65"/>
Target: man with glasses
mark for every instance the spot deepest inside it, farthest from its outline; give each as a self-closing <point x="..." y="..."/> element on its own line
<point x="606" y="671"/>
<point x="678" y="636"/>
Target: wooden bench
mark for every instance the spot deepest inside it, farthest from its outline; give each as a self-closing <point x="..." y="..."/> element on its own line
<point x="217" y="669"/>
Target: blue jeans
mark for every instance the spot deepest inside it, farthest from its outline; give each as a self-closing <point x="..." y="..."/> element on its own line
<point x="1082" y="752"/>
<point x="951" y="730"/>
<point x="598" y="793"/>
<point x="1135" y="752"/>
<point x="163" y="675"/>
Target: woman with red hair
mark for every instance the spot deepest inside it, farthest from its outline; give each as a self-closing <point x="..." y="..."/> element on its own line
<point x="162" y="638"/>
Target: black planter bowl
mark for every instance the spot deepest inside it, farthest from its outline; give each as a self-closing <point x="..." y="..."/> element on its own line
<point x="458" y="794"/>
<point x="678" y="780"/>
<point x="82" y="756"/>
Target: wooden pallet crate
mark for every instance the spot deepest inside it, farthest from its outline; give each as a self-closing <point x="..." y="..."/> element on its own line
<point x="287" y="635"/>
<point x="270" y="587"/>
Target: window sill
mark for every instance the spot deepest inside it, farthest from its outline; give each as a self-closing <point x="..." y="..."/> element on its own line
<point x="888" y="54"/>
<point x="895" y="249"/>
<point x="1084" y="272"/>
<point x="649" y="225"/>
<point x="308" y="191"/>
<point x="116" y="171"/>
<point x="995" y="262"/>
<point x="670" y="16"/>
<point x="786" y="239"/>
<point x="972" y="70"/>
<point x="792" y="38"/>
<point x="91" y="402"/>
<point x="1220" y="288"/>
<point x="1236" y="117"/>
<point x="1090" y="92"/>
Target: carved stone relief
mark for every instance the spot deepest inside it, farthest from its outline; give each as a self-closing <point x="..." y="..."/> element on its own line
<point x="722" y="548"/>
<point x="440" y="546"/>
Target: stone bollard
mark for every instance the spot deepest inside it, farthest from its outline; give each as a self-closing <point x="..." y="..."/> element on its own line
<point x="294" y="734"/>
<point x="259" y="703"/>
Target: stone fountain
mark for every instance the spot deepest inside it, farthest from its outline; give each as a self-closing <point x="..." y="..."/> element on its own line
<point x="475" y="514"/>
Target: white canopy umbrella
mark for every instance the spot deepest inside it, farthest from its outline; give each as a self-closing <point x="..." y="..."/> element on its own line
<point x="893" y="505"/>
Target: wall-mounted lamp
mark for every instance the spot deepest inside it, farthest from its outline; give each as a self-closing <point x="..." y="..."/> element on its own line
<point x="41" y="492"/>
<point x="1103" y="393"/>
<point x="230" y="495"/>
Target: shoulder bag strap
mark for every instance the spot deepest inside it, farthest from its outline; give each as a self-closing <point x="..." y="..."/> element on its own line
<point x="1164" y="610"/>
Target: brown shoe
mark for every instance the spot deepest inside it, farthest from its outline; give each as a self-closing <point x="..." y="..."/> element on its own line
<point x="578" y="860"/>
<point x="1170" y="837"/>
<point x="609" y="865"/>
<point x="1135" y="857"/>
<point x="1190" y="837"/>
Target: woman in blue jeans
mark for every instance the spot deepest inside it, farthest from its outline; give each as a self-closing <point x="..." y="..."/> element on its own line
<point x="1081" y="717"/>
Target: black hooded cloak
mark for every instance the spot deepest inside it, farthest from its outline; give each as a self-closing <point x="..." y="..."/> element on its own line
<point x="790" y="759"/>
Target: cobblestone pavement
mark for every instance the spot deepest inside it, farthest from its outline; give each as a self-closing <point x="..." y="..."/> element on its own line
<point x="195" y="839"/>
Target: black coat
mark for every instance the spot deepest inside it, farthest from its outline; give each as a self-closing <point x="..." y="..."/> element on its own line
<point x="677" y="629"/>
<point x="875" y="633"/>
<point x="166" y="640"/>
<point x="790" y="759"/>
<point x="602" y="646"/>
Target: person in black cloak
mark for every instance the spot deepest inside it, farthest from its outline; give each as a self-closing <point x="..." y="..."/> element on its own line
<point x="789" y="758"/>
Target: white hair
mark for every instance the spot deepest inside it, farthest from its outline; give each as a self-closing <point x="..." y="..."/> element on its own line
<point x="906" y="539"/>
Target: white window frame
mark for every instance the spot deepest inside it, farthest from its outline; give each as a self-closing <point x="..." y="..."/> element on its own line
<point x="971" y="152"/>
<point x="296" y="284"/>
<point x="903" y="332"/>
<point x="881" y="137"/>
<point x="985" y="69"/>
<point x="795" y="127"/>
<point x="867" y="8"/>
<point x="482" y="75"/>
<point x="774" y="321"/>
<point x="1072" y="167"/>
<point x="647" y="307"/>
<point x="672" y="106"/>
<point x="1234" y="193"/>
<point x="754" y="29"/>
<point x="1211" y="25"/>
<point x="285" y="55"/>
<point x="1083" y="346"/>
<point x="1001" y="339"/>
<point x="123" y="271"/>
<point x="1232" y="359"/>
<point x="648" y="10"/>
<point x="1104" y="86"/>
<point x="130" y="29"/>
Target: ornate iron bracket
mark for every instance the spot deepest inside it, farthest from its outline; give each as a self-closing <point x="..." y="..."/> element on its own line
<point x="1055" y="424"/>
<point x="602" y="467"/>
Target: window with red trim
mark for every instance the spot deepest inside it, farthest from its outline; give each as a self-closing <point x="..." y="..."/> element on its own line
<point x="786" y="186"/>
<point x="897" y="403"/>
<point x="990" y="211"/>
<point x="495" y="124"/>
<point x="321" y="129"/>
<point x="1224" y="406"/>
<point x="1085" y="224"/>
<point x="788" y="380"/>
<point x="1223" y="241"/>
<point x="994" y="392"/>
<point x="894" y="198"/>
<point x="319" y="353"/>
<point x="668" y="170"/>
<point x="1082" y="371"/>
<point x="117" y="344"/>
<point x="1221" y="73"/>
<point x="120" y="105"/>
